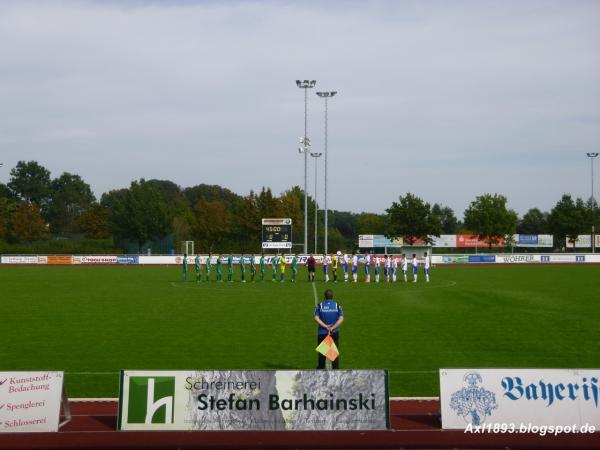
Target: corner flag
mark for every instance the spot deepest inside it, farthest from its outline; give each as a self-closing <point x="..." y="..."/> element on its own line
<point x="328" y="348"/>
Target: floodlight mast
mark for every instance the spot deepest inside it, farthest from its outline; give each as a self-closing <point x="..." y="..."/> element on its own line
<point x="306" y="84"/>
<point x="326" y="95"/>
<point x="592" y="156"/>
<point x="316" y="155"/>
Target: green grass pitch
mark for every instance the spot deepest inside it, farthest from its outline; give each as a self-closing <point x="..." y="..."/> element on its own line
<point x="93" y="321"/>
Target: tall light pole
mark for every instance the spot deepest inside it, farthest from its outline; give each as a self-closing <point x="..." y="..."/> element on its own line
<point x="316" y="155"/>
<point x="592" y="156"/>
<point x="306" y="85"/>
<point x="326" y="96"/>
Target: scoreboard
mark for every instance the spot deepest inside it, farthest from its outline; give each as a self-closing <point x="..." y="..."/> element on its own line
<point x="277" y="233"/>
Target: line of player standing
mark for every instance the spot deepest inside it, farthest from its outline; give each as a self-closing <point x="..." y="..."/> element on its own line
<point x="374" y="264"/>
<point x="388" y="265"/>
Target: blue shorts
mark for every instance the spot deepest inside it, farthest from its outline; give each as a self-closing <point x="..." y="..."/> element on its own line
<point x="387" y="271"/>
<point x="415" y="270"/>
<point x="325" y="269"/>
<point x="376" y="270"/>
<point x="427" y="270"/>
<point x="395" y="271"/>
<point x="345" y="268"/>
<point x="367" y="269"/>
<point x="354" y="269"/>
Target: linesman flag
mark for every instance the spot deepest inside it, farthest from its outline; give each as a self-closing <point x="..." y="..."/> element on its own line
<point x="328" y="348"/>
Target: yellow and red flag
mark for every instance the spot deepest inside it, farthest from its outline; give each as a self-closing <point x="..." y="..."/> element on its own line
<point x="328" y="348"/>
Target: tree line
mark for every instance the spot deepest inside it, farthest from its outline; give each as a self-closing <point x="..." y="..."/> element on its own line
<point x="36" y="207"/>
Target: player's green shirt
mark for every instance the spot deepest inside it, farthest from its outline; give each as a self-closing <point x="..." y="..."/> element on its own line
<point x="294" y="264"/>
<point x="252" y="267"/>
<point x="263" y="264"/>
<point x="219" y="265"/>
<point x="208" y="264"/>
<point x="197" y="264"/>
<point x="184" y="265"/>
<point x="230" y="262"/>
<point x="243" y="264"/>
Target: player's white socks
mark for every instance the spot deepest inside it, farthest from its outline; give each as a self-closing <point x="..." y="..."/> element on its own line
<point x="377" y="278"/>
<point x="354" y="277"/>
<point x="427" y="277"/>
<point x="387" y="279"/>
<point x="394" y="278"/>
<point x="415" y="280"/>
<point x="326" y="278"/>
<point x="368" y="280"/>
<point x="346" y="276"/>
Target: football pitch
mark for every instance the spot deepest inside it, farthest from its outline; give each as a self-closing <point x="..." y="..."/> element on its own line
<point x="93" y="321"/>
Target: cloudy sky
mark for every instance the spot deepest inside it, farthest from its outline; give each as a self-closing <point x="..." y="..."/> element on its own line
<point x="445" y="99"/>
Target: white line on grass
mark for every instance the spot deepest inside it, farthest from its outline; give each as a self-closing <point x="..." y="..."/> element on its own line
<point x="91" y="373"/>
<point x="315" y="294"/>
<point x="413" y="371"/>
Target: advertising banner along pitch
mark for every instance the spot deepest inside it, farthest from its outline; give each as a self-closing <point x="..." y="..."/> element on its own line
<point x="30" y="401"/>
<point x="254" y="400"/>
<point x="517" y="398"/>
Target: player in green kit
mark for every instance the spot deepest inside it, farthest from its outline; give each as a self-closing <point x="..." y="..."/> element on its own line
<point x="208" y="267"/>
<point x="184" y="266"/>
<point x="294" y="268"/>
<point x="274" y="268"/>
<point x="197" y="267"/>
<point x="252" y="268"/>
<point x="263" y="267"/>
<point x="219" y="269"/>
<point x="230" y="268"/>
<point x="243" y="268"/>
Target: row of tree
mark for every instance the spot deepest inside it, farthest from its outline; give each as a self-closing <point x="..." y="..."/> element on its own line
<point x="35" y="206"/>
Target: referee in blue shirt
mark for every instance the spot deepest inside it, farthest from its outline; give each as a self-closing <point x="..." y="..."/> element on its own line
<point x="329" y="315"/>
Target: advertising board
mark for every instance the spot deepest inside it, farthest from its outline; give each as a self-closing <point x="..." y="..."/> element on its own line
<point x="30" y="401"/>
<point x="59" y="259"/>
<point x="517" y="397"/>
<point x="275" y="400"/>
<point x="19" y="259"/>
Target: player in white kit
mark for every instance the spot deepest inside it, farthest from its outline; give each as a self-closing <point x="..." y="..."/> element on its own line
<point x="427" y="266"/>
<point x="394" y="268"/>
<point x="377" y="261"/>
<point x="354" y="267"/>
<point x="367" y="268"/>
<point x="388" y="266"/>
<point x="345" y="265"/>
<point x="415" y="266"/>
<point x="405" y="267"/>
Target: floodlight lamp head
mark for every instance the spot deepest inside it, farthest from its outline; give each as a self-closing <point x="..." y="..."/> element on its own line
<point x="300" y="150"/>
<point x="590" y="155"/>
<point x="315" y="154"/>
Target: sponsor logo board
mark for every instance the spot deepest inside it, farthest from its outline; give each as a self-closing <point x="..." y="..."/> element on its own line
<point x="30" y="401"/>
<point x="473" y="241"/>
<point x="254" y="400"/>
<point x="482" y="258"/>
<point x="540" y="397"/>
<point x="517" y="259"/>
<point x="18" y="259"/>
<point x="95" y="259"/>
<point x="59" y="259"/>
<point x="128" y="259"/>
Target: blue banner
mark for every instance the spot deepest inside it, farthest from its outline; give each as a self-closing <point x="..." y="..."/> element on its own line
<point x="128" y="259"/>
<point x="528" y="240"/>
<point x="482" y="258"/>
